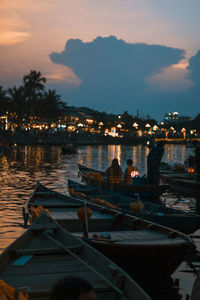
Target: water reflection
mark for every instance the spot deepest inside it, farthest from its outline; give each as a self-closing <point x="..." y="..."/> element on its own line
<point x="22" y="167"/>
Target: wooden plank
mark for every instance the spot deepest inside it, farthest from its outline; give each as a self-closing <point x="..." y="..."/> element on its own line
<point x="47" y="267"/>
<point x="52" y="203"/>
<point x="42" y="280"/>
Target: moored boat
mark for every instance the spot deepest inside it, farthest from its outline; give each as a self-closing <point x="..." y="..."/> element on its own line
<point x="182" y="221"/>
<point x="150" y="192"/>
<point x="69" y="149"/>
<point x="182" y="183"/>
<point x="144" y="247"/>
<point x="46" y="253"/>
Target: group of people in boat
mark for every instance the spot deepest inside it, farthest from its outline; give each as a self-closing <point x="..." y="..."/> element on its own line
<point x="115" y="174"/>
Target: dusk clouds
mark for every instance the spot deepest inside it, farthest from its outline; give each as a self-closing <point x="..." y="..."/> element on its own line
<point x="114" y="74"/>
<point x="120" y="55"/>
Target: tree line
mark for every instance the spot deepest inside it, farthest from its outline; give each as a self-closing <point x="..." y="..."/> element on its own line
<point x="31" y="100"/>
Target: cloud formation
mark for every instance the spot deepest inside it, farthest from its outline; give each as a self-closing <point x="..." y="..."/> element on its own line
<point x="11" y="26"/>
<point x="114" y="74"/>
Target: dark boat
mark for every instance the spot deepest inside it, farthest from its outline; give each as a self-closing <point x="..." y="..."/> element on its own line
<point x="196" y="288"/>
<point x="134" y="244"/>
<point x="46" y="253"/>
<point x="69" y="149"/>
<point x="182" y="182"/>
<point x="161" y="214"/>
<point x="145" y="191"/>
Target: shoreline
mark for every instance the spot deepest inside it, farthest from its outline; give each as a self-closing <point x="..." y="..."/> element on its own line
<point x="59" y="139"/>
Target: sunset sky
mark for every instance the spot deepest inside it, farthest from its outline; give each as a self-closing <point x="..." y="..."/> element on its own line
<point x="111" y="55"/>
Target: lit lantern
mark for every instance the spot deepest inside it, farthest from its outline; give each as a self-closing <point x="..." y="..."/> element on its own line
<point x="134" y="173"/>
<point x="191" y="170"/>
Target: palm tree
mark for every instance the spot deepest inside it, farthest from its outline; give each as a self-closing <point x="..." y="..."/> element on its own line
<point x="33" y="85"/>
<point x="51" y="107"/>
<point x="18" y="103"/>
<point x="4" y="101"/>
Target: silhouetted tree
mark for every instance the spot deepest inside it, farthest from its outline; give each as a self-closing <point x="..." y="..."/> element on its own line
<point x="4" y="101"/>
<point x="33" y="85"/>
<point x="18" y="104"/>
<point x="51" y="107"/>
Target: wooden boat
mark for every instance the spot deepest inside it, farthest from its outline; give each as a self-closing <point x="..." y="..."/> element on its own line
<point x="161" y="214"/>
<point x="150" y="192"/>
<point x="182" y="182"/>
<point x="196" y="288"/>
<point x="137" y="245"/>
<point x="46" y="253"/>
<point x="69" y="149"/>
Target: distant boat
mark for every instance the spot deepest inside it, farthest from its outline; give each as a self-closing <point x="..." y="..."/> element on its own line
<point x="144" y="247"/>
<point x="146" y="191"/>
<point x="46" y="253"/>
<point x="161" y="214"/>
<point x="183" y="182"/>
<point x="69" y="149"/>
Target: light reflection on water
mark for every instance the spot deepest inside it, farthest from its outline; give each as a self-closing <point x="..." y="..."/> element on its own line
<point x="24" y="166"/>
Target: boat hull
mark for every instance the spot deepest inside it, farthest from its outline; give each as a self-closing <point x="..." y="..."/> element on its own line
<point x="133" y="242"/>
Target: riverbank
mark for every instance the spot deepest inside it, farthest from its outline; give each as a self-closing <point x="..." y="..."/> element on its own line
<point x="59" y="138"/>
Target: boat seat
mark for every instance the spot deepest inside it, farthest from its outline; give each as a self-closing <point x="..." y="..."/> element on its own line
<point x="76" y="249"/>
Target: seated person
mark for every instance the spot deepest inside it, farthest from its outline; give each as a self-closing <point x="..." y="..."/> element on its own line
<point x="130" y="172"/>
<point x="114" y="172"/>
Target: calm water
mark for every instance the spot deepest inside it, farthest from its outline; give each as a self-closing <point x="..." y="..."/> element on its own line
<point x="22" y="167"/>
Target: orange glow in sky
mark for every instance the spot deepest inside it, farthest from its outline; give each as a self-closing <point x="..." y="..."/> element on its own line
<point x="31" y="30"/>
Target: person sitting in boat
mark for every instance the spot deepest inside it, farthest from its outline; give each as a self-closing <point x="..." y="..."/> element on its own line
<point x="114" y="172"/>
<point x="130" y="172"/>
<point x="73" y="288"/>
<point x="153" y="163"/>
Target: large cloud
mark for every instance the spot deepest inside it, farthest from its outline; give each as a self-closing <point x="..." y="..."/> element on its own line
<point x="114" y="74"/>
<point x="194" y="69"/>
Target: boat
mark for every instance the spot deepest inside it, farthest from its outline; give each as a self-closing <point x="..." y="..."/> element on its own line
<point x="69" y="149"/>
<point x="195" y="295"/>
<point x="134" y="244"/>
<point x="46" y="253"/>
<point x="182" y="221"/>
<point x="183" y="183"/>
<point x="145" y="191"/>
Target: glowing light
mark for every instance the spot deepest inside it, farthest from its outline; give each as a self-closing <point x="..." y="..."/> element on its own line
<point x="89" y="121"/>
<point x="119" y="126"/>
<point x="155" y="127"/>
<point x="147" y="125"/>
<point x="134" y="173"/>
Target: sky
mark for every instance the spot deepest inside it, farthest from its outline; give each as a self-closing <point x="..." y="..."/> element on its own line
<point x="112" y="56"/>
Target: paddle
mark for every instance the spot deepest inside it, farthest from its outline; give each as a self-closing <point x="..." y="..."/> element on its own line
<point x="84" y="214"/>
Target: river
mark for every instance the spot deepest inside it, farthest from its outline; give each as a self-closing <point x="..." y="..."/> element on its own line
<point x="23" y="166"/>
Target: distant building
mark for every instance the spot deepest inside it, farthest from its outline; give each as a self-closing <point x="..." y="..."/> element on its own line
<point x="174" y="118"/>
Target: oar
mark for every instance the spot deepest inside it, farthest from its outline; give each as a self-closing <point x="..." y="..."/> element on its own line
<point x="138" y="197"/>
<point x="86" y="218"/>
<point x="25" y="216"/>
<point x="84" y="214"/>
